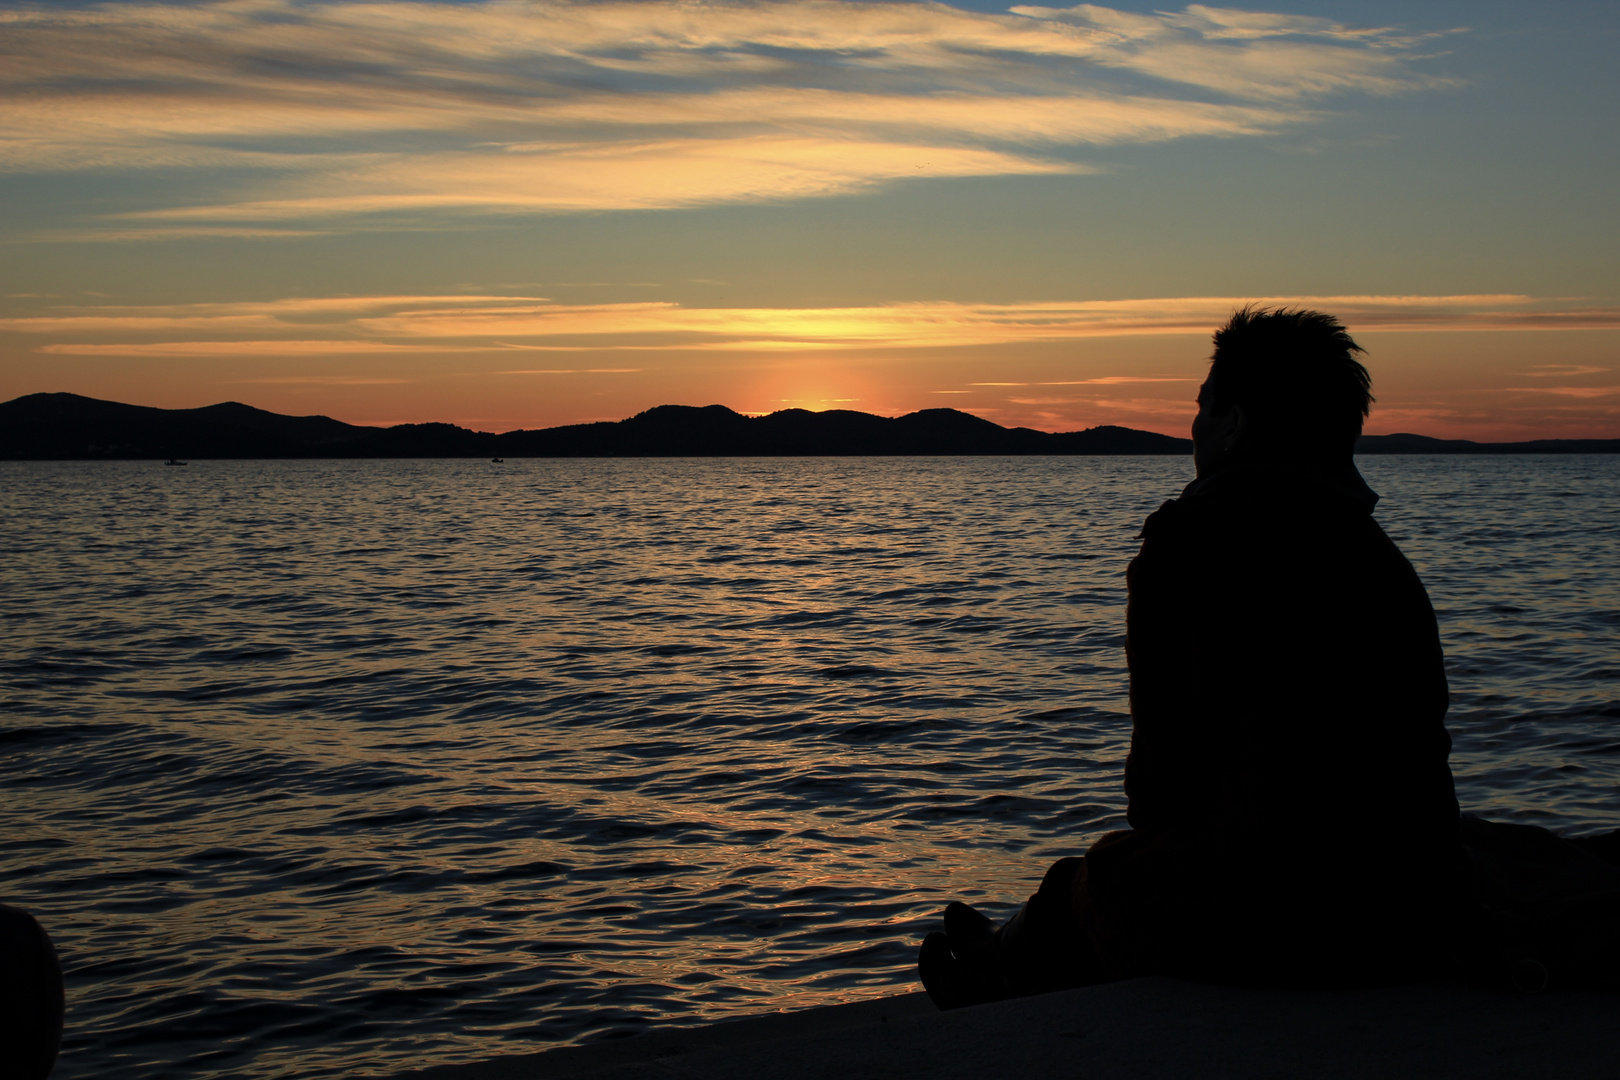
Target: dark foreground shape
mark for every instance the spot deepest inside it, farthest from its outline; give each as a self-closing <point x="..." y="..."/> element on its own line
<point x="31" y="1002"/>
<point x="1141" y="1029"/>
<point x="1041" y="949"/>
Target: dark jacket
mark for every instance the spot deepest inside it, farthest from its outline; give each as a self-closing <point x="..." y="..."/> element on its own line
<point x="1292" y="811"/>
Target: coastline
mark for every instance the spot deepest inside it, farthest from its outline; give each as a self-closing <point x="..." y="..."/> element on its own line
<point x="1139" y="1029"/>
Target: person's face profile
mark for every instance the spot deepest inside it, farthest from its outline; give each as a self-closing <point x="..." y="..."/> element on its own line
<point x="1214" y="432"/>
<point x="1205" y="450"/>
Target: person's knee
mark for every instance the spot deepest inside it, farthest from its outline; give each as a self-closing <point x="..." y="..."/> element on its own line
<point x="1059" y="880"/>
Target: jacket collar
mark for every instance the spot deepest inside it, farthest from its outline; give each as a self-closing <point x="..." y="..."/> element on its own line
<point x="1335" y="484"/>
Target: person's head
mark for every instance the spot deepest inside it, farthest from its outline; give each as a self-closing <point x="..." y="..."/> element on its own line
<point x="1282" y="385"/>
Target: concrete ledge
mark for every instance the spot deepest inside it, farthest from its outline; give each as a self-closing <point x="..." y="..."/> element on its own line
<point x="1142" y="1029"/>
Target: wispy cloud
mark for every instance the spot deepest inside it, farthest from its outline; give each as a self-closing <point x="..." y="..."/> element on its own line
<point x="945" y="323"/>
<point x="1106" y="380"/>
<point x="508" y="324"/>
<point x="1114" y="380"/>
<point x="327" y="109"/>
<point x="324" y="380"/>
<point x="242" y="314"/>
<point x="1252" y="54"/>
<point x="574" y="371"/>
<point x="1566" y="391"/>
<point x="1563" y="371"/>
<point x="234" y="348"/>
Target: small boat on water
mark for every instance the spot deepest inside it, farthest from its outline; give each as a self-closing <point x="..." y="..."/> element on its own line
<point x="174" y="461"/>
<point x="496" y="460"/>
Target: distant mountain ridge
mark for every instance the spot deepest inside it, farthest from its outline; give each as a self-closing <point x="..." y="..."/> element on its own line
<point x="1404" y="443"/>
<point x="70" y="426"/>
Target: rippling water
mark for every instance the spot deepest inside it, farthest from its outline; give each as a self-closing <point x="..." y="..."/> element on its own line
<point x="318" y="768"/>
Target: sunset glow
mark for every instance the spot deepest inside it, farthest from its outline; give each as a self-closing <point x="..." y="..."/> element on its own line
<point x="508" y="214"/>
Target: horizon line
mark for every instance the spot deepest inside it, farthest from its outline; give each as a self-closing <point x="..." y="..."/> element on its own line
<point x="756" y="416"/>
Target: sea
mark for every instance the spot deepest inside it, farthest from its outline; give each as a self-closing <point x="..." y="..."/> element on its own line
<point x="343" y="768"/>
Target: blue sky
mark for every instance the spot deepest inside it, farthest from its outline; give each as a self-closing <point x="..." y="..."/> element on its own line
<point x="522" y="214"/>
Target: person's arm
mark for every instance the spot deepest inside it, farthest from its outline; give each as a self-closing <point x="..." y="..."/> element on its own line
<point x="1169" y="688"/>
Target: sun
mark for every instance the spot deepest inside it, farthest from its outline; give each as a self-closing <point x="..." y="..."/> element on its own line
<point x="814" y="386"/>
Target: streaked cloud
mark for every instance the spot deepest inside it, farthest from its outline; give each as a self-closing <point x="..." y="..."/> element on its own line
<point x="619" y="176"/>
<point x="1106" y="380"/>
<point x="945" y="323"/>
<point x="573" y="371"/>
<point x="324" y="380"/>
<point x="242" y="316"/>
<point x="1566" y="391"/>
<point x="1252" y="54"/>
<point x="508" y="324"/>
<point x="1563" y="371"/>
<point x="327" y="110"/>
<point x="1114" y="380"/>
<point x="234" y="348"/>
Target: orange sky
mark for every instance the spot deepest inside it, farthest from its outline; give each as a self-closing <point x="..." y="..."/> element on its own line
<point x="1469" y="367"/>
<point x="513" y="216"/>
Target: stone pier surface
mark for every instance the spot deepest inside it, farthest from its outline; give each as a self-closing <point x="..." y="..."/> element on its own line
<point x="1141" y="1029"/>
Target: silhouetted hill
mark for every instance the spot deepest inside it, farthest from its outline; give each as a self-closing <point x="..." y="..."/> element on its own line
<point x="1403" y="443"/>
<point x="684" y="430"/>
<point x="71" y="426"/>
<point x="41" y="426"/>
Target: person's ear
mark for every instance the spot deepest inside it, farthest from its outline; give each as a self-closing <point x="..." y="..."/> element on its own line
<point x="1234" y="427"/>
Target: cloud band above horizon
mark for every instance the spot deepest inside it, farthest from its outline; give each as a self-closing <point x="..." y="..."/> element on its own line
<point x="516" y="324"/>
<point x="320" y="114"/>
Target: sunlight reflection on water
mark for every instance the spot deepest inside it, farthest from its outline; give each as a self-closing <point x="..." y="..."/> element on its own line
<point x="321" y="768"/>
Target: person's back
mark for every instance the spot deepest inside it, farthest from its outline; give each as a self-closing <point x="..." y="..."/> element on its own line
<point x="1292" y="811"/>
<point x="1288" y="700"/>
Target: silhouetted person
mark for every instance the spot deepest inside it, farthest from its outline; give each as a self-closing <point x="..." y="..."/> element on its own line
<point x="1292" y="815"/>
<point x="31" y="1002"/>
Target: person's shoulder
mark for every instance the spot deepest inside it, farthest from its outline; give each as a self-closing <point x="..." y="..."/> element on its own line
<point x="1164" y="516"/>
<point x="1197" y="508"/>
<point x="1169" y="520"/>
